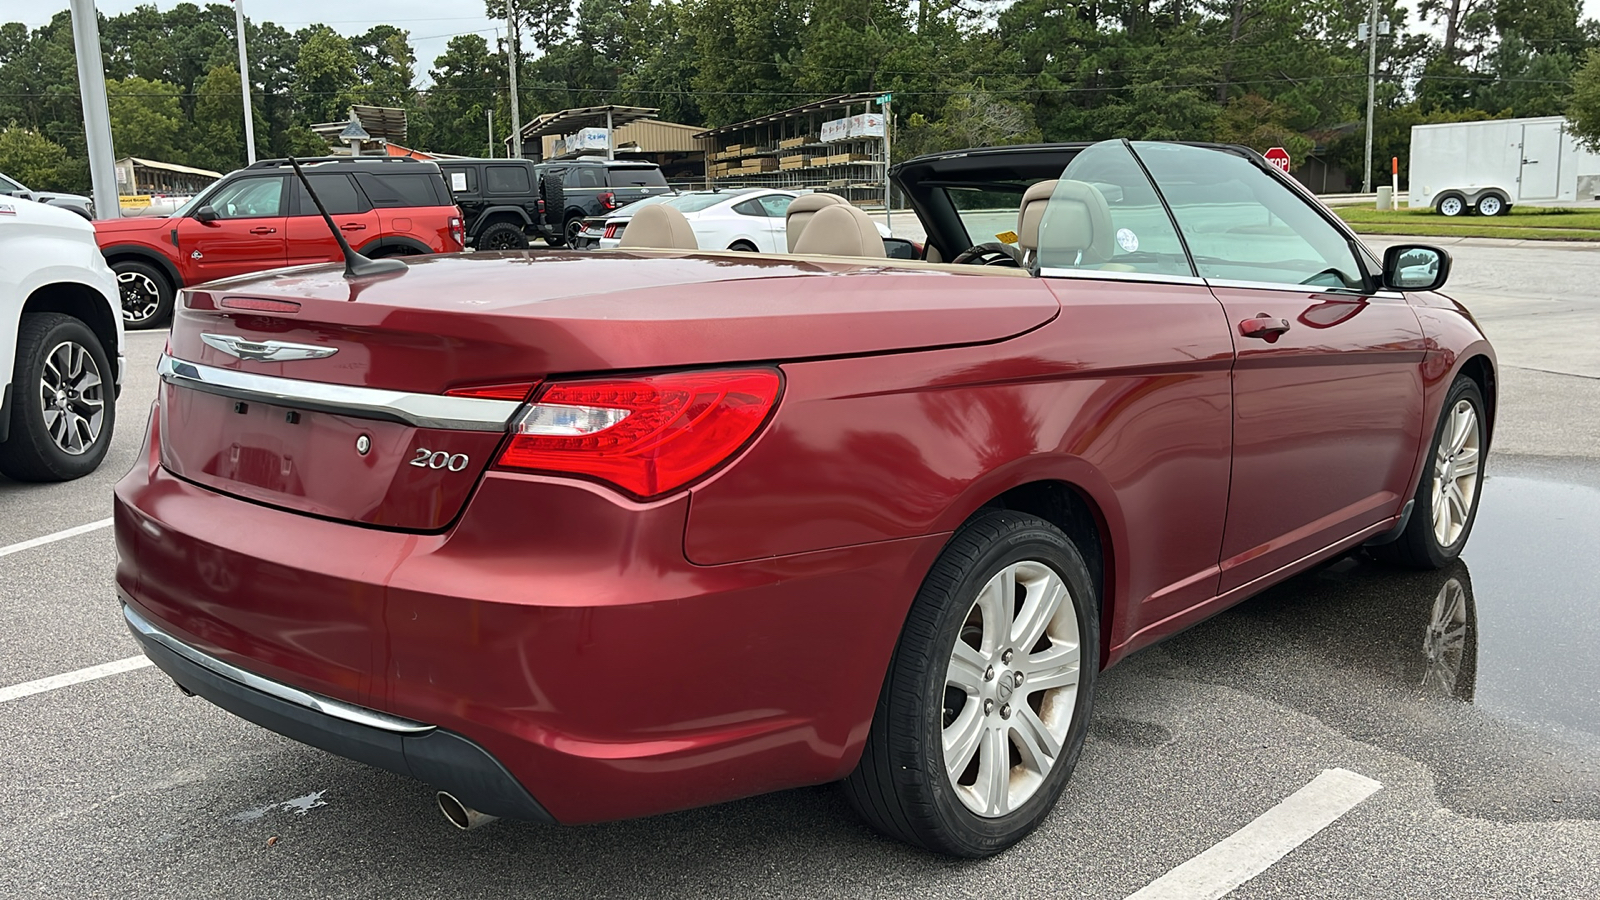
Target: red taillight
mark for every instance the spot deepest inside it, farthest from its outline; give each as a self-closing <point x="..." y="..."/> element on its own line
<point x="646" y="435"/>
<point x="517" y="391"/>
<point x="611" y="231"/>
<point x="457" y="232"/>
<point x="257" y="304"/>
<point x="608" y="200"/>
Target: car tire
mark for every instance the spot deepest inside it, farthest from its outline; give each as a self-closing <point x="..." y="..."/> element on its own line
<point x="1492" y="205"/>
<point x="552" y="189"/>
<point x="959" y="630"/>
<point x="569" y="231"/>
<point x="146" y="294"/>
<point x="64" y="437"/>
<point x="1451" y="205"/>
<point x="502" y="236"/>
<point x="1446" y="502"/>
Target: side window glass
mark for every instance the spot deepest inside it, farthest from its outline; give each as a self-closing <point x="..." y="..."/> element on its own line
<point x="585" y="177"/>
<point x="337" y="193"/>
<point x="391" y="190"/>
<point x="1242" y="225"/>
<point x="776" y="205"/>
<point x="249" y="198"/>
<point x="1104" y="215"/>
<point x="507" y="180"/>
<point x="750" y="208"/>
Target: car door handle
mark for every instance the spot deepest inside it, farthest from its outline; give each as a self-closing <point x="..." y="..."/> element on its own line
<point x="352" y="226"/>
<point x="262" y="229"/>
<point x="1264" y="327"/>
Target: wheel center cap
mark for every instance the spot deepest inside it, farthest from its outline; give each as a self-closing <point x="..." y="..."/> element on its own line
<point x="1003" y="687"/>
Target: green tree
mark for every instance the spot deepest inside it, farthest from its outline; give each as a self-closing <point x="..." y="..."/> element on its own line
<point x="31" y="158"/>
<point x="146" y="118"/>
<point x="217" y="131"/>
<point x="325" y="75"/>
<point x="454" y="112"/>
<point x="1583" y="109"/>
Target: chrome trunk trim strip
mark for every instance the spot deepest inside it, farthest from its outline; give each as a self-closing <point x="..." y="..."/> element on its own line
<point x="420" y="410"/>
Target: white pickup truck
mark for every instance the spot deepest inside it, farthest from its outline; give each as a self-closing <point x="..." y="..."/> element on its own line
<point x="60" y="344"/>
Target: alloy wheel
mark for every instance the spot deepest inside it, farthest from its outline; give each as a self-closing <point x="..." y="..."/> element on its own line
<point x="73" y="398"/>
<point x="141" y="297"/>
<point x="1456" y="464"/>
<point x="1010" y="688"/>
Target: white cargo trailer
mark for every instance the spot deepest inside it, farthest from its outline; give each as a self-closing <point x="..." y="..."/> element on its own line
<point x="1457" y="167"/>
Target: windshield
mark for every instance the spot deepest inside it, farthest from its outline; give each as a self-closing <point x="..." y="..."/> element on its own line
<point x="10" y="185"/>
<point x="195" y="202"/>
<point x="989" y="213"/>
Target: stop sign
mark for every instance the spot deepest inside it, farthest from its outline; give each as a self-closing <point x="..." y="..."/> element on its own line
<point x="1279" y="157"/>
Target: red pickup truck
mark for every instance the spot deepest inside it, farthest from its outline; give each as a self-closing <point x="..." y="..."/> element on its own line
<point x="261" y="217"/>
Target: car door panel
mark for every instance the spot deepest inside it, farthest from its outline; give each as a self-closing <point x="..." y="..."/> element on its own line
<point x="309" y="240"/>
<point x="248" y="237"/>
<point x="1327" y="423"/>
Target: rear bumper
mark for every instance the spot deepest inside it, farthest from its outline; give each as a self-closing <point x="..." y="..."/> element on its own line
<point x="445" y="760"/>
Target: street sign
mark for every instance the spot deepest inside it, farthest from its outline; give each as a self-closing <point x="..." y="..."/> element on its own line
<point x="885" y="99"/>
<point x="1279" y="157"/>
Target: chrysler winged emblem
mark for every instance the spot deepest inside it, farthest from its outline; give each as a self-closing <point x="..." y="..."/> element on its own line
<point x="266" y="351"/>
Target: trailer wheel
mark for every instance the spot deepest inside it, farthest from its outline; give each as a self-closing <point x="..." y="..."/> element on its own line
<point x="1451" y="205"/>
<point x="1492" y="205"/>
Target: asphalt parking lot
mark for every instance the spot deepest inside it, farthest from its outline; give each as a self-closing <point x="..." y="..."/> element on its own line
<point x="1470" y="696"/>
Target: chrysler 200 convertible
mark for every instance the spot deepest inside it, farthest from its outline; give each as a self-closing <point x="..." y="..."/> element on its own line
<point x="583" y="536"/>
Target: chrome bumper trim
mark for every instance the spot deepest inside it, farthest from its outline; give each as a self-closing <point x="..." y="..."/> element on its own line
<point x="420" y="410"/>
<point x="326" y="705"/>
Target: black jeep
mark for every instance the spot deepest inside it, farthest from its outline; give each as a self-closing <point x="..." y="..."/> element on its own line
<point x="593" y="186"/>
<point x="503" y="201"/>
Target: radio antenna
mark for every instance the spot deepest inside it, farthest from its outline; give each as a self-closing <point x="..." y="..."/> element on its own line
<point x="355" y="265"/>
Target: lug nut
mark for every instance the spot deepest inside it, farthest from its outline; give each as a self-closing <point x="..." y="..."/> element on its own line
<point x="988" y="675"/>
<point x="988" y="707"/>
<point x="1005" y="711"/>
<point x="1018" y="678"/>
<point x="1005" y="657"/>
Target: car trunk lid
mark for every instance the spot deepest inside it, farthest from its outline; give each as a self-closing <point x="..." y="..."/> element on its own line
<point x="343" y="398"/>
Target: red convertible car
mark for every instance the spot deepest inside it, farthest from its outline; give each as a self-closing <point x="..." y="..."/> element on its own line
<point x="582" y="536"/>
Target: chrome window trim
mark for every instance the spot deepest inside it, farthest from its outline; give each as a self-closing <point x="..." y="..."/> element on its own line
<point x="420" y="410"/>
<point x="1299" y="288"/>
<point x="338" y="709"/>
<point x="1098" y="275"/>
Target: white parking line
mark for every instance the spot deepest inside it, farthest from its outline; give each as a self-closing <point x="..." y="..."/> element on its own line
<point x="52" y="538"/>
<point x="67" y="679"/>
<point x="1252" y="849"/>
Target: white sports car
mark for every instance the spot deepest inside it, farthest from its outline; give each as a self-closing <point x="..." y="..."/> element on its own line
<point x="60" y="344"/>
<point x="751" y="219"/>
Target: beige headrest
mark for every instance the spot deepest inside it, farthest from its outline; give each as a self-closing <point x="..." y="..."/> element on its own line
<point x="841" y="230"/>
<point x="659" y="227"/>
<point x="1080" y="220"/>
<point x="802" y="209"/>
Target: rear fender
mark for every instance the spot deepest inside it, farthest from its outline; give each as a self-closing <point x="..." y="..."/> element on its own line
<point x="394" y="241"/>
<point x="500" y="213"/>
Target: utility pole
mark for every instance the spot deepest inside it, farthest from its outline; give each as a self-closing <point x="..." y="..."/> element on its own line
<point x="244" y="86"/>
<point x="491" y="132"/>
<point x="1372" y="82"/>
<point x="96" y="111"/>
<point x="513" y="52"/>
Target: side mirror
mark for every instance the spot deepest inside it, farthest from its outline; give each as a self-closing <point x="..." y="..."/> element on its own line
<point x="205" y="215"/>
<point x="900" y="248"/>
<point x="1415" y="267"/>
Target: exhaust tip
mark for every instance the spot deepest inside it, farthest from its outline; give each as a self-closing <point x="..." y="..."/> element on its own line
<point x="461" y="815"/>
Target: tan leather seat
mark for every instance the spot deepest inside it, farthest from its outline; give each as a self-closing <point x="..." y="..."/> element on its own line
<point x="1080" y="222"/>
<point x="841" y="230"/>
<point x="658" y="227"/>
<point x="802" y="209"/>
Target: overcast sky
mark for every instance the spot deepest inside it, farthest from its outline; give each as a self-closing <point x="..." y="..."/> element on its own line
<point x="430" y="31"/>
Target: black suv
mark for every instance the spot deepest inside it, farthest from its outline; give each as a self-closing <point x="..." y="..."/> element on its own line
<point x="592" y="186"/>
<point x="503" y="201"/>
